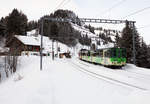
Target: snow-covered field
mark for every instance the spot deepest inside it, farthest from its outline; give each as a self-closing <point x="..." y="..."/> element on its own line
<point x="71" y="81"/>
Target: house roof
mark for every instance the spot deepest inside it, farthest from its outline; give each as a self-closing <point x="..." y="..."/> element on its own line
<point x="29" y="40"/>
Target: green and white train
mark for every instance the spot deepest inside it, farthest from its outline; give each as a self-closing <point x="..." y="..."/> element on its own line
<point x="110" y="57"/>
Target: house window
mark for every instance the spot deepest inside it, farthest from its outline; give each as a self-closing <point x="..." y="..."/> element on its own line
<point x="30" y="48"/>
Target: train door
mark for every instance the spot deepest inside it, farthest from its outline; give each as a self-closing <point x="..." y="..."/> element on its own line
<point x="88" y="56"/>
<point x="101" y="56"/>
<point x="104" y="57"/>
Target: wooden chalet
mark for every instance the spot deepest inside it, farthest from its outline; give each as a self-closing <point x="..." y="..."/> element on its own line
<point x="19" y="43"/>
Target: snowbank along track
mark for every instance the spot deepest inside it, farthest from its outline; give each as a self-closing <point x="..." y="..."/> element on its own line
<point x="102" y="77"/>
<point x="131" y="74"/>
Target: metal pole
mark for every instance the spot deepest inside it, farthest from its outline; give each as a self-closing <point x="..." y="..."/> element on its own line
<point x="57" y="48"/>
<point x="134" y="51"/>
<point x="41" y="49"/>
<point x="52" y="49"/>
<point x="5" y="62"/>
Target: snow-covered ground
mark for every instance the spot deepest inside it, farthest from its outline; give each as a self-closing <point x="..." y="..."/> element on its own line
<point x="71" y="81"/>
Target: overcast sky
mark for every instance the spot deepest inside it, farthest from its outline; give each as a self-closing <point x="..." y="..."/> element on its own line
<point x="111" y="9"/>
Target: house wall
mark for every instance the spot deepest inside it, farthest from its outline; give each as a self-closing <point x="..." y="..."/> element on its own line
<point x="32" y="48"/>
<point x="16" y="47"/>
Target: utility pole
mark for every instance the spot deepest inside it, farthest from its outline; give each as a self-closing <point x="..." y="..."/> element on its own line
<point x="41" y="49"/>
<point x="57" y="48"/>
<point x="52" y="49"/>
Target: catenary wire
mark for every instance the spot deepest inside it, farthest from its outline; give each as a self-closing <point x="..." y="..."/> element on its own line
<point x="112" y="7"/>
<point x="136" y="12"/>
<point x="61" y="3"/>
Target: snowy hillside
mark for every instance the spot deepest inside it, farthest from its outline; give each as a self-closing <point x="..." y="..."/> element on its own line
<point x="70" y="81"/>
<point x="83" y="30"/>
<point x="47" y="43"/>
<point x="110" y="33"/>
<point x="94" y="37"/>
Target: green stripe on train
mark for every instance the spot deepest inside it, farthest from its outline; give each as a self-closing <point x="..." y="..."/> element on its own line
<point x="119" y="60"/>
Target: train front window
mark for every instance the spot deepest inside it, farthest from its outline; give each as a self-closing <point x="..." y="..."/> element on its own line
<point x="119" y="52"/>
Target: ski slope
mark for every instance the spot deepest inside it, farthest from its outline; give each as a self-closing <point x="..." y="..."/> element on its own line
<point x="63" y="81"/>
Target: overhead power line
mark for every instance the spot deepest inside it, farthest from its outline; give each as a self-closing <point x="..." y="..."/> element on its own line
<point x="136" y="12"/>
<point x="146" y="26"/>
<point x="66" y="3"/>
<point x="112" y="7"/>
<point x="61" y="3"/>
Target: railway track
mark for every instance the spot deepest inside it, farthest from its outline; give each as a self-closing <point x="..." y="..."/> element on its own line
<point x="129" y="74"/>
<point x="144" y="75"/>
<point x="102" y="77"/>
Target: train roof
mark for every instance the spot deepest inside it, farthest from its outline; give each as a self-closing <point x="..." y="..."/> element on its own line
<point x="85" y="50"/>
<point x="111" y="48"/>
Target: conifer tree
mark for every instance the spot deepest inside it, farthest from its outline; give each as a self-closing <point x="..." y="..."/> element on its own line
<point x="142" y="55"/>
<point x="16" y="23"/>
<point x="32" y="25"/>
<point x="54" y="31"/>
<point x="2" y="27"/>
<point x="126" y="41"/>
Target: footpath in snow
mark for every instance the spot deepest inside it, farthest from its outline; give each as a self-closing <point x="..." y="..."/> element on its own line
<point x="61" y="83"/>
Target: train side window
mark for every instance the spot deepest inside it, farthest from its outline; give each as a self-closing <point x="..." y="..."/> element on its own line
<point x="95" y="54"/>
<point x="107" y="53"/>
<point x="88" y="54"/>
<point x="101" y="53"/>
<point x="113" y="52"/>
<point x="124" y="53"/>
<point x="119" y="52"/>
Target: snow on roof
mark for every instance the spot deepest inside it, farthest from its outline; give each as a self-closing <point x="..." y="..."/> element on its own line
<point x="4" y="49"/>
<point x="32" y="32"/>
<point x="109" y="45"/>
<point x="29" y="40"/>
